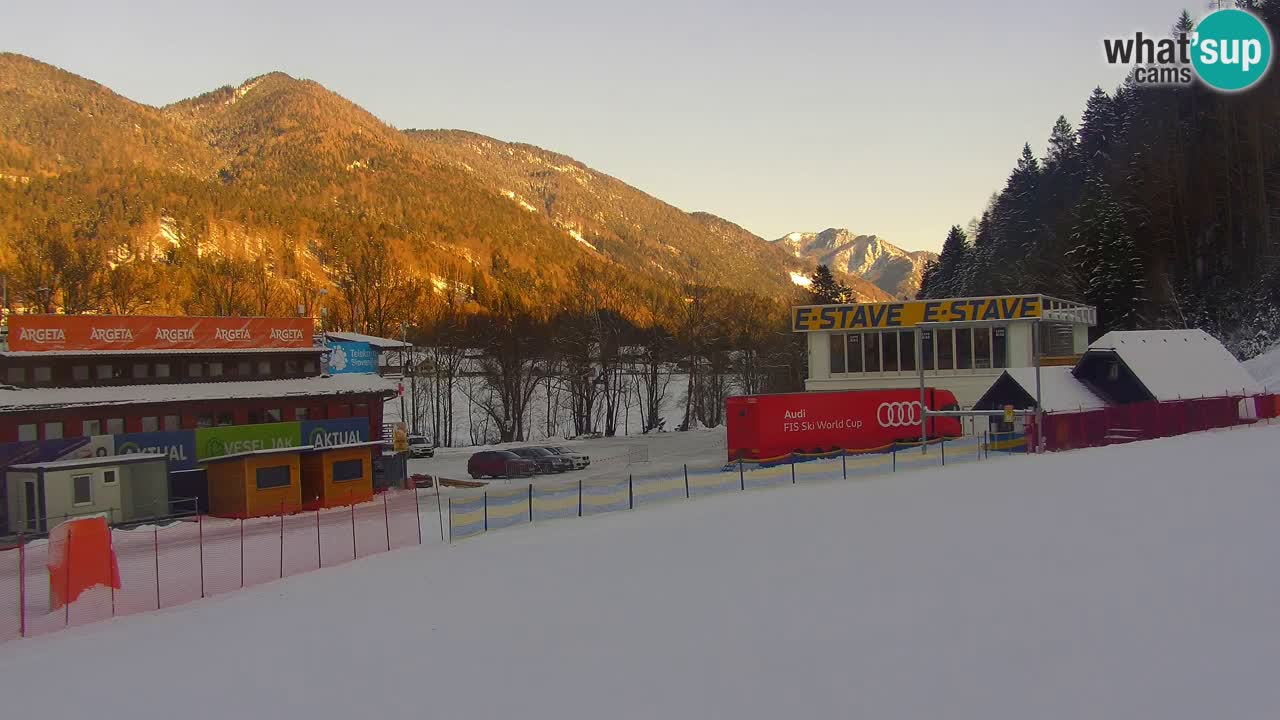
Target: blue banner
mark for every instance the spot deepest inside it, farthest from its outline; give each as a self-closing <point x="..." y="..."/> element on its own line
<point x="179" y="445"/>
<point x="352" y="357"/>
<point x="341" y="431"/>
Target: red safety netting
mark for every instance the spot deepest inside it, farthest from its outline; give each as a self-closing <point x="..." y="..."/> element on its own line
<point x="124" y="571"/>
<point x="1145" y="421"/>
<point x="402" y="518"/>
<point x="10" y="593"/>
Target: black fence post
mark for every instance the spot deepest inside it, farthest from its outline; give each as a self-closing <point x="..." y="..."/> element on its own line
<point x="894" y="452"/>
<point x="944" y="452"/>
<point x="530" y="502"/>
<point x="579" y="498"/>
<point x="686" y="481"/>
<point x="742" y="478"/>
<point x="793" y="468"/>
<point x="631" y="493"/>
<point x="844" y="467"/>
<point x="486" y="511"/>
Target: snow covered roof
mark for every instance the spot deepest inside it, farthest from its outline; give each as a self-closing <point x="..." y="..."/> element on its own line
<point x="378" y="342"/>
<point x="15" y="399"/>
<point x="104" y="460"/>
<point x="1177" y="364"/>
<point x="1059" y="390"/>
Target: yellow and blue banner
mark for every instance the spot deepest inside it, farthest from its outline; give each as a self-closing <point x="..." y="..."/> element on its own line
<point x="908" y="313"/>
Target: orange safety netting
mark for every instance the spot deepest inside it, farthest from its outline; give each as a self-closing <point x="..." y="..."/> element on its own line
<point x="80" y="558"/>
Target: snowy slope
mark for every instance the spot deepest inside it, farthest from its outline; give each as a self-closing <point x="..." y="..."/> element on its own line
<point x="1058" y="587"/>
<point x="1266" y="368"/>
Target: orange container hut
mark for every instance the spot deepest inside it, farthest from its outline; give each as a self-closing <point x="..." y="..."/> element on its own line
<point x="254" y="484"/>
<point x="338" y="474"/>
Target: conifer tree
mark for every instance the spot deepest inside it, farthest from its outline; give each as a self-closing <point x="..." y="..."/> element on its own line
<point x="826" y="290"/>
<point x="1106" y="262"/>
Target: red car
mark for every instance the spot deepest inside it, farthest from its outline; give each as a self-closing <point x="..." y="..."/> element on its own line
<point x="499" y="464"/>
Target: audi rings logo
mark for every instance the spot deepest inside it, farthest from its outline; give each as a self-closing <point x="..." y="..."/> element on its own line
<point x="898" y="414"/>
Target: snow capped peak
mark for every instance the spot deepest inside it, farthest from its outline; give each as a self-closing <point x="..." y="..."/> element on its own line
<point x="869" y="257"/>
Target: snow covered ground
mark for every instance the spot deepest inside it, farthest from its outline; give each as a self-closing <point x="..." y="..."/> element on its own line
<point x="1134" y="581"/>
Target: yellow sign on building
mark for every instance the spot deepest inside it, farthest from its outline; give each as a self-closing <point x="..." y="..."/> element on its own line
<point x="879" y="316"/>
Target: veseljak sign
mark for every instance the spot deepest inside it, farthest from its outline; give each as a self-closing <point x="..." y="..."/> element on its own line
<point x="36" y="333"/>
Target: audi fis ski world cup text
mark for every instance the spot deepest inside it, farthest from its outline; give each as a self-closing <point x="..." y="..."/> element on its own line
<point x="1228" y="50"/>
<point x="795" y="421"/>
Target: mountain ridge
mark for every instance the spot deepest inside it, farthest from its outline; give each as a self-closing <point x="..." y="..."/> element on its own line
<point x="282" y="172"/>
<point x="895" y="271"/>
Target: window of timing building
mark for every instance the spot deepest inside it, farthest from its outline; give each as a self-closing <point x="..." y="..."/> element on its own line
<point x="979" y="348"/>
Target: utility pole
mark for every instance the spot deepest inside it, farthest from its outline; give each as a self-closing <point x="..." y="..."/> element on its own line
<point x="403" y="334"/>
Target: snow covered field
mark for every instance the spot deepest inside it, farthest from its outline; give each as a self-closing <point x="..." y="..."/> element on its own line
<point x="1133" y="581"/>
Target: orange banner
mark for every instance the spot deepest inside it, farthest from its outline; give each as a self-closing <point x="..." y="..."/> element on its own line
<point x="119" y="332"/>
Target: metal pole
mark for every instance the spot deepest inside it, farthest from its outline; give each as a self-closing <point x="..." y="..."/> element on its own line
<point x="22" y="586"/>
<point x="439" y="511"/>
<point x="319" y="552"/>
<point x="156" y="534"/>
<point x="919" y="337"/>
<point x="530" y="502"/>
<point x="844" y="468"/>
<point x="200" y="539"/>
<point x="386" y="519"/>
<point x="1035" y="334"/>
<point x="742" y="478"/>
<point x="686" y="481"/>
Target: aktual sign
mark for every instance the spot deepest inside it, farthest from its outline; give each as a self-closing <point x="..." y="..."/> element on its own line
<point x="35" y="333"/>
<point x="327" y="433"/>
<point x="179" y="445"/>
<point x="352" y="357"/>
<point x="233" y="439"/>
<point x="872" y="316"/>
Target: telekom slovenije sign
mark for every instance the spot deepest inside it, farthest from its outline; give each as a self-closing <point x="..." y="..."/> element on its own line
<point x="35" y="333"/>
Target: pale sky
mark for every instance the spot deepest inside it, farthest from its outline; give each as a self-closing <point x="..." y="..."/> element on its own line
<point x="893" y="118"/>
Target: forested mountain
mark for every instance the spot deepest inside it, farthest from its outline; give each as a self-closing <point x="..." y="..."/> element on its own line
<point x="1162" y="208"/>
<point x="279" y="193"/>
<point x="893" y="270"/>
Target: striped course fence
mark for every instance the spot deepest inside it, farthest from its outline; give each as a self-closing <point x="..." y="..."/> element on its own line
<point x="482" y="511"/>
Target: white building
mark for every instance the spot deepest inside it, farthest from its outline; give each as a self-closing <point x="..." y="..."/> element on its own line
<point x="967" y="342"/>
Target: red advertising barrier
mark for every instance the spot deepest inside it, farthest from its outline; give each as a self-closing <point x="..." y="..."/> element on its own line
<point x="1149" y="420"/>
<point x="36" y="333"/>
<point x="160" y="567"/>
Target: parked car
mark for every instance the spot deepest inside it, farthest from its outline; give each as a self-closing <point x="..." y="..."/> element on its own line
<point x="420" y="447"/>
<point x="547" y="462"/>
<point x="499" y="463"/>
<point x="580" y="461"/>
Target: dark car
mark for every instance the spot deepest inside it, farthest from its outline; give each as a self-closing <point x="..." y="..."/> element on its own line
<point x="579" y="460"/>
<point x="420" y="447"/>
<point x="546" y="462"/>
<point x="499" y="463"/>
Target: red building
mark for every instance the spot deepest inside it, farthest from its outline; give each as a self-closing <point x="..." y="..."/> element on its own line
<point x="83" y="376"/>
